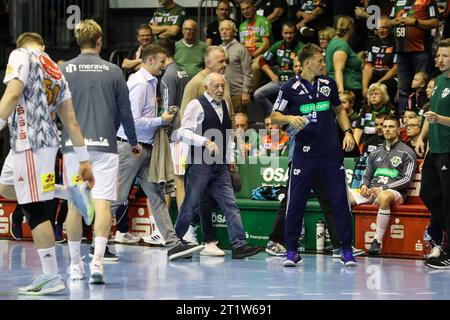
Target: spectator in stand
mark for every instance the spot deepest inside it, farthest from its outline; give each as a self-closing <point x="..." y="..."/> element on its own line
<point x="386" y="181"/>
<point x="413" y="129"/>
<point x="189" y="51"/>
<point x="133" y="61"/>
<point x="255" y="33"/>
<point x="377" y="102"/>
<point x="238" y="72"/>
<point x="407" y="116"/>
<point x="418" y="98"/>
<point x="213" y="37"/>
<point x="381" y="60"/>
<point x="273" y="10"/>
<point x="343" y="64"/>
<point x="275" y="141"/>
<point x="325" y="36"/>
<point x="313" y="16"/>
<point x="246" y="139"/>
<point x="435" y="187"/>
<point x="167" y="21"/>
<point x="412" y="22"/>
<point x="429" y="92"/>
<point x="280" y="57"/>
<point x="348" y="102"/>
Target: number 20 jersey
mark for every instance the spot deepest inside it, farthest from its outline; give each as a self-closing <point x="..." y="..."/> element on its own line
<point x="32" y="124"/>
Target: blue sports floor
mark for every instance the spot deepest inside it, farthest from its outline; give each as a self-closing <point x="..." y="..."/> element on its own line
<point x="145" y="273"/>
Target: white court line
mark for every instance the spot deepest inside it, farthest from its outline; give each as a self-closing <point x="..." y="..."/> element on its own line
<point x="313" y="294"/>
<point x="424" y="293"/>
<point x="241" y="296"/>
<point x="204" y="297"/>
<point x="169" y="298"/>
<point x="389" y="293"/>
<point x="350" y="293"/>
<point x="277" y="295"/>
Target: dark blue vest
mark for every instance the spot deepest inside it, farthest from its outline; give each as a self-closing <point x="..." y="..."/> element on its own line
<point x="212" y="121"/>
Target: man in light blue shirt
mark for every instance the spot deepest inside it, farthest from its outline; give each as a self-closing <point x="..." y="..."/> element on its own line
<point x="142" y="87"/>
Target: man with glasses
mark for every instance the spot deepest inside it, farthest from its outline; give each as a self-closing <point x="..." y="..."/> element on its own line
<point x="189" y="51"/>
<point x="133" y="61"/>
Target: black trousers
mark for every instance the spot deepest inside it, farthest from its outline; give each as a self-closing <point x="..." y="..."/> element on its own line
<point x="277" y="234"/>
<point x="435" y="193"/>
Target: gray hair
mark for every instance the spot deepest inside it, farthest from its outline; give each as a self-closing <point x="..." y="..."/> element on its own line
<point x="231" y="23"/>
<point x="209" y="79"/>
<point x="211" y="49"/>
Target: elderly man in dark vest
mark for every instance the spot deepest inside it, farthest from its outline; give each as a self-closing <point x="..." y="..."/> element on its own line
<point x="206" y="127"/>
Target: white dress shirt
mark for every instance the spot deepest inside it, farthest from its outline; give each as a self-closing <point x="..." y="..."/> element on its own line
<point x="191" y="123"/>
<point x="144" y="106"/>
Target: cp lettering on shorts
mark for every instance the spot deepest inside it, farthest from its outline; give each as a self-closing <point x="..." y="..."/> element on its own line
<point x="76" y="180"/>
<point x="48" y="182"/>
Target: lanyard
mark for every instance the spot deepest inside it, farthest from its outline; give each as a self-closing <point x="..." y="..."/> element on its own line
<point x="307" y="91"/>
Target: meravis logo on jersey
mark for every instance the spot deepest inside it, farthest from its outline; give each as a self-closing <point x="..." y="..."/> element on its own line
<point x="48" y="182"/>
<point x="445" y="92"/>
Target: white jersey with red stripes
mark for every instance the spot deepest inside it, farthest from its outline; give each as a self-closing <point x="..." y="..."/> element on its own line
<point x="32" y="124"/>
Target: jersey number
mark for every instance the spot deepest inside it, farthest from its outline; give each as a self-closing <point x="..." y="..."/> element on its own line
<point x="383" y="180"/>
<point x="51" y="93"/>
<point x="401" y="32"/>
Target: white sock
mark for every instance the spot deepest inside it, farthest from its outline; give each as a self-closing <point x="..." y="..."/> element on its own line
<point x="155" y="229"/>
<point x="61" y="192"/>
<point x="383" y="217"/>
<point x="99" y="249"/>
<point x="75" y="252"/>
<point x="48" y="261"/>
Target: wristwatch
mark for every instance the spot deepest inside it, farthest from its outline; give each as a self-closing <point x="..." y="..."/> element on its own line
<point x="348" y="130"/>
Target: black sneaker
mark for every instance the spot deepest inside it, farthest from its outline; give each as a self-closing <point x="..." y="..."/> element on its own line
<point x="109" y="256"/>
<point x="244" y="251"/>
<point x="375" y="248"/>
<point x="439" y="263"/>
<point x="183" y="250"/>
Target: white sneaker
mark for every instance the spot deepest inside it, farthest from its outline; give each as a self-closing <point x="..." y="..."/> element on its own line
<point x="42" y="285"/>
<point x="154" y="239"/>
<point x="436" y="252"/>
<point x="212" y="250"/>
<point x="97" y="276"/>
<point x="76" y="271"/>
<point x="126" y="237"/>
<point x="191" y="235"/>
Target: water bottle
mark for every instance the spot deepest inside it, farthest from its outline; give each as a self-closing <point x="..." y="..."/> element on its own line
<point x="320" y="236"/>
<point x="292" y="131"/>
<point x="426" y="243"/>
<point x="302" y="240"/>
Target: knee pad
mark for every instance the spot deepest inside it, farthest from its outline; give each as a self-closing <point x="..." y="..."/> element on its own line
<point x="37" y="213"/>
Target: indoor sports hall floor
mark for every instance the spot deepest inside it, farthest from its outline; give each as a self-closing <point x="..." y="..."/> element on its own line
<point x="145" y="273"/>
